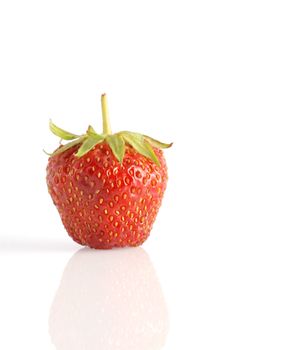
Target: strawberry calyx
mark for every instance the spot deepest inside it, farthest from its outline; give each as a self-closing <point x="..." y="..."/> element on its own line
<point x="118" y="142"/>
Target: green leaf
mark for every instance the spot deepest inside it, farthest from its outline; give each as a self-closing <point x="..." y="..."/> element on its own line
<point x="67" y="146"/>
<point x="63" y="134"/>
<point x="156" y="143"/>
<point x="47" y="153"/>
<point x="91" y="131"/>
<point x="138" y="142"/>
<point x="88" y="144"/>
<point x="117" y="144"/>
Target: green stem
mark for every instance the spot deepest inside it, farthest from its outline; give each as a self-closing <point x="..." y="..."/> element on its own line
<point x="105" y="116"/>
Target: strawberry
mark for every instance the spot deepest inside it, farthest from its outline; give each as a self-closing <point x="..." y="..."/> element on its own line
<point x="107" y="187"/>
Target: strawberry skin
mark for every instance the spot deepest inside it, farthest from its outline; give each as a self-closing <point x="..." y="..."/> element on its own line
<point x="103" y="203"/>
<point x="107" y="187"/>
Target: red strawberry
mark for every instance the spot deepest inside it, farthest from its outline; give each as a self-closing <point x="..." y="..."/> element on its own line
<point x="107" y="187"/>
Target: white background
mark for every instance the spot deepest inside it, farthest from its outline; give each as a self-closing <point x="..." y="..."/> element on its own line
<point x="205" y="74"/>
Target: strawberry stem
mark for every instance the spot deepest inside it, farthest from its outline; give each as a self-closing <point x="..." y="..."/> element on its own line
<point x="105" y="116"/>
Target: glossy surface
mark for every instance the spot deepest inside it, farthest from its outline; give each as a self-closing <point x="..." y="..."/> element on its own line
<point x="104" y="303"/>
<point x="102" y="203"/>
<point x="208" y="74"/>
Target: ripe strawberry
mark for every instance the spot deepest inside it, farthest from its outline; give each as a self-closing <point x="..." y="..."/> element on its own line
<point x="107" y="187"/>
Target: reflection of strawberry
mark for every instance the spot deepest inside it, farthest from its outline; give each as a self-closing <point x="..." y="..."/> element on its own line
<point x="109" y="302"/>
<point x="107" y="188"/>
